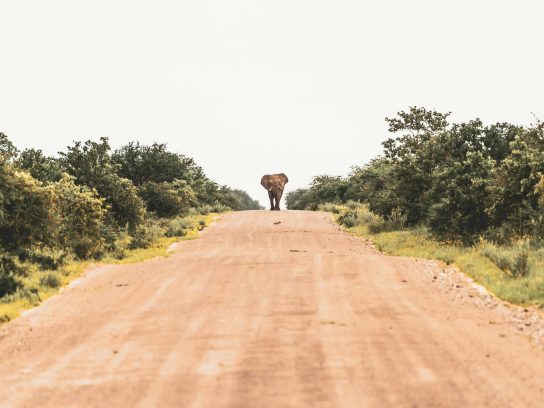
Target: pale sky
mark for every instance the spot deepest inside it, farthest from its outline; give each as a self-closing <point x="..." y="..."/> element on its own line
<point x="254" y="87"/>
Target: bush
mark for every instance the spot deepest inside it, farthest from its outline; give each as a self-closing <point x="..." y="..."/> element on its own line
<point x="178" y="227"/>
<point x="49" y="280"/>
<point x="44" y="257"/>
<point x="146" y="234"/>
<point x="396" y="220"/>
<point x="329" y="207"/>
<point x="118" y="245"/>
<point x="91" y="166"/>
<point x="204" y="210"/>
<point x="349" y="220"/>
<point x="513" y="261"/>
<point x="353" y="205"/>
<point x="167" y="199"/>
<point x="8" y="283"/>
<point x="376" y="224"/>
<point x="220" y="208"/>
<point x="25" y="216"/>
<point x="80" y="217"/>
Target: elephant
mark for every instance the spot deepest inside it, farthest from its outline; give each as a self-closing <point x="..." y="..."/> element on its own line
<point x="275" y="184"/>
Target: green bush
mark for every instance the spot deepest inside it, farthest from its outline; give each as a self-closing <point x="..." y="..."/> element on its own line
<point x="119" y="245"/>
<point x="146" y="234"/>
<point x="91" y="165"/>
<point x="349" y="219"/>
<point x="46" y="258"/>
<point x="329" y="207"/>
<point x="204" y="210"/>
<point x="376" y="224"/>
<point x="167" y="199"/>
<point x="513" y="261"/>
<point x="397" y="220"/>
<point x="353" y="205"/>
<point x="80" y="216"/>
<point x="220" y="208"/>
<point x="49" y="280"/>
<point x="8" y="283"/>
<point x="25" y="216"/>
<point x="178" y="227"/>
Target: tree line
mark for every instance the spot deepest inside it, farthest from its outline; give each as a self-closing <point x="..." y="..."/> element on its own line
<point x="89" y="199"/>
<point x="463" y="181"/>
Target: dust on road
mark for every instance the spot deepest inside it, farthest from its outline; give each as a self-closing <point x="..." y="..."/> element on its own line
<point x="261" y="313"/>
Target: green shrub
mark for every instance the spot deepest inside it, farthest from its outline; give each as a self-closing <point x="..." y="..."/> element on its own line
<point x="220" y="208"/>
<point x="349" y="219"/>
<point x="146" y="234"/>
<point x="9" y="268"/>
<point x="46" y="258"/>
<point x="167" y="199"/>
<point x="178" y="227"/>
<point x="25" y="210"/>
<point x="396" y="220"/>
<point x="377" y="224"/>
<point x="513" y="261"/>
<point x="353" y="205"/>
<point x="205" y="209"/>
<point x="119" y="246"/>
<point x="49" y="280"/>
<point x="8" y="283"/>
<point x="80" y="218"/>
<point x="329" y="207"/>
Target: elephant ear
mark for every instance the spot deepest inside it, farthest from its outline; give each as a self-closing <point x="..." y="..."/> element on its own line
<point x="265" y="181"/>
<point x="284" y="177"/>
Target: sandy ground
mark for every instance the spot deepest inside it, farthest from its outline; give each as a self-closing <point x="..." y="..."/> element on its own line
<point x="269" y="309"/>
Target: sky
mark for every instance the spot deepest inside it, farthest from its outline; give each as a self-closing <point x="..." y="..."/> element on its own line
<point x="255" y="87"/>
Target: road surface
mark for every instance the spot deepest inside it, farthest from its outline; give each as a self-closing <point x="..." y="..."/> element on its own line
<point x="266" y="309"/>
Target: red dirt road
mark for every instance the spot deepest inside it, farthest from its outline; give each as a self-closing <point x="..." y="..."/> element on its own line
<point x="262" y="314"/>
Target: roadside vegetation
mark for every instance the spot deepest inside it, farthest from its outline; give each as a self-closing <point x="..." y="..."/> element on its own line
<point x="464" y="193"/>
<point x="90" y="204"/>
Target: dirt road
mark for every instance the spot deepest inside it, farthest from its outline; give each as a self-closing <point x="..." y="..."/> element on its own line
<point x="260" y="313"/>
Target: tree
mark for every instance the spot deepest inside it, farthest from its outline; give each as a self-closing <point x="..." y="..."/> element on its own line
<point x="79" y="214"/>
<point x="7" y="149"/>
<point x="301" y="199"/>
<point x="42" y="168"/>
<point x="420" y="123"/>
<point x="460" y="198"/>
<point x="237" y="200"/>
<point x="516" y="208"/>
<point x="167" y="199"/>
<point x="90" y="164"/>
<point x="411" y="173"/>
<point x="375" y="184"/>
<point x="25" y="218"/>
<point x="141" y="164"/>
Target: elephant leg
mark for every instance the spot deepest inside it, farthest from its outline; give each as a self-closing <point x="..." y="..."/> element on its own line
<point x="278" y="199"/>
<point x="271" y="196"/>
